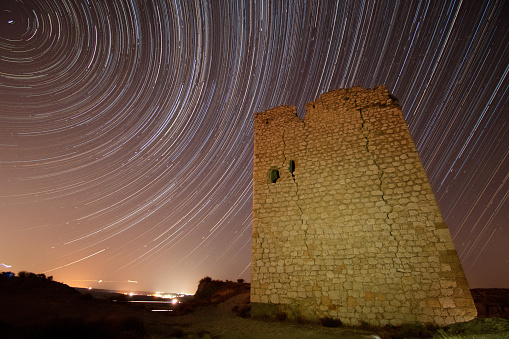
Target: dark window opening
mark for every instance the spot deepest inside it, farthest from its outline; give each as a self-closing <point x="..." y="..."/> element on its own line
<point x="267" y="121"/>
<point x="273" y="175"/>
<point x="291" y="167"/>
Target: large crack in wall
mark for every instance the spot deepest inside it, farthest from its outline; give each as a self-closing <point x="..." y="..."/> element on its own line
<point x="284" y="149"/>
<point x="348" y="235"/>
<point x="366" y="132"/>
<point x="290" y="165"/>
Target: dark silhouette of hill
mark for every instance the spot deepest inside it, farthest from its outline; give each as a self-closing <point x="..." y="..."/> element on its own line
<point x="491" y="302"/>
<point x="33" y="306"/>
<point x="216" y="291"/>
<point x="213" y="292"/>
<point x="35" y="285"/>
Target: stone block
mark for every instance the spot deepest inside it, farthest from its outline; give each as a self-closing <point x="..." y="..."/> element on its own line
<point x="350" y="229"/>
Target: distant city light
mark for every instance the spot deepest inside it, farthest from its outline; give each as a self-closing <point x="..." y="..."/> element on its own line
<point x="165" y="295"/>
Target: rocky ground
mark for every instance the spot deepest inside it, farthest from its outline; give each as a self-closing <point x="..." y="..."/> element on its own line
<point x="39" y="308"/>
<point x="221" y="321"/>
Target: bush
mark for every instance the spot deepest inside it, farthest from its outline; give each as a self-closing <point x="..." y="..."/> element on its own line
<point x="25" y="275"/>
<point x="177" y="333"/>
<point x="204" y="334"/>
<point x="281" y="316"/>
<point x="243" y="311"/>
<point x="331" y="322"/>
<point x="206" y="280"/>
<point x="7" y="275"/>
<point x="413" y="330"/>
<point x="300" y="320"/>
<point x="367" y="326"/>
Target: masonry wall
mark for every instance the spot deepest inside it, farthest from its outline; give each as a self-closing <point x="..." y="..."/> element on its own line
<point x="345" y="223"/>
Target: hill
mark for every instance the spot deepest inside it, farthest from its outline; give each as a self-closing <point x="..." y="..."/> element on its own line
<point x="491" y="302"/>
<point x="34" y="306"/>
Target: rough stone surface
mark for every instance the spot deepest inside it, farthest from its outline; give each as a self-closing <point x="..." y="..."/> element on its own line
<point x="345" y="223"/>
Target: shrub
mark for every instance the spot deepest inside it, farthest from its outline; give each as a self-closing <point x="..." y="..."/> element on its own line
<point x="367" y="326"/>
<point x="243" y="311"/>
<point x="177" y="333"/>
<point x="300" y="320"/>
<point x="206" y="280"/>
<point x="413" y="330"/>
<point x="7" y="275"/>
<point x="281" y="316"/>
<point x="331" y="322"/>
<point x="204" y="334"/>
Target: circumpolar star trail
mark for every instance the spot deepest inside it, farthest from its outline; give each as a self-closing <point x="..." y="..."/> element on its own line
<point x="126" y="126"/>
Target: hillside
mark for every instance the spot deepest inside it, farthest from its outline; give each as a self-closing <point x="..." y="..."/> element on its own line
<point x="36" y="307"/>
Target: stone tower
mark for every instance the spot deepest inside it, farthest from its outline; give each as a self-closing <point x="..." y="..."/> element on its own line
<point x="345" y="223"/>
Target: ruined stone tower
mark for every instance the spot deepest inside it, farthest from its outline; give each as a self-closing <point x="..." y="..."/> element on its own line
<point x="345" y="224"/>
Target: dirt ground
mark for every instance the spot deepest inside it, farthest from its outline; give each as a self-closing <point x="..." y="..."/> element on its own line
<point x="38" y="308"/>
<point x="219" y="321"/>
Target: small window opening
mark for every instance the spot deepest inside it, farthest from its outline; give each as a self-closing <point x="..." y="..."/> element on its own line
<point x="267" y="121"/>
<point x="273" y="175"/>
<point x="291" y="166"/>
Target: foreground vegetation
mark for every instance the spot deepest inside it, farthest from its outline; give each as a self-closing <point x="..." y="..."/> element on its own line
<point x="35" y="306"/>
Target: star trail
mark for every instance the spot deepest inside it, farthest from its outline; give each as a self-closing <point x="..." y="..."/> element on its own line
<point x="126" y="126"/>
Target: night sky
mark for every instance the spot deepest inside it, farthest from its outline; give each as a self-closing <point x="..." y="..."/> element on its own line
<point x="126" y="126"/>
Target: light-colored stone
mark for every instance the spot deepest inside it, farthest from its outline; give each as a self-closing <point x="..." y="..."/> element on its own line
<point x="348" y="226"/>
